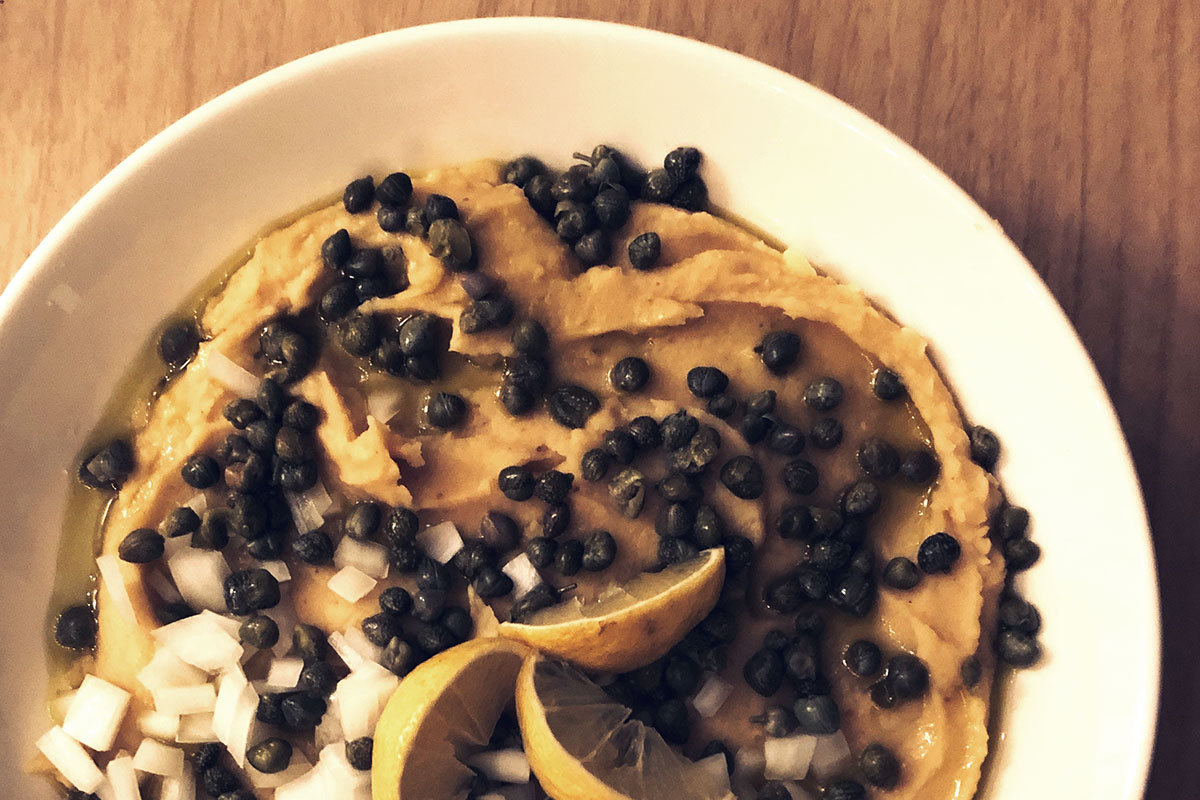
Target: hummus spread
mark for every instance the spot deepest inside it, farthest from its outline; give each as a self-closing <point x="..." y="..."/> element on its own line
<point x="717" y="290"/>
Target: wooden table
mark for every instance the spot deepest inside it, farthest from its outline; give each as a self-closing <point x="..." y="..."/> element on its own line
<point x="1076" y="124"/>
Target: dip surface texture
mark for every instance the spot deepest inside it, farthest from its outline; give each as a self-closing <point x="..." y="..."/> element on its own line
<point x="716" y="291"/>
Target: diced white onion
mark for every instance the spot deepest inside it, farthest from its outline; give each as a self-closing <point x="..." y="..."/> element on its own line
<point x="308" y="508"/>
<point x="715" y="769"/>
<point x="360" y="698"/>
<point x="370" y="558"/>
<point x="181" y="788"/>
<point x="284" y="673"/>
<point x="160" y="583"/>
<point x="831" y="756"/>
<point x="309" y="786"/>
<point x="198" y="503"/>
<point x="158" y="725"/>
<point x="122" y="779"/>
<point x="202" y="641"/>
<point x="296" y="767"/>
<point x="114" y="582"/>
<point x="156" y="758"/>
<point x="787" y="757"/>
<point x="200" y="576"/>
<point x="173" y="544"/>
<point x="70" y="759"/>
<point x="278" y="569"/>
<point x="180" y="700"/>
<point x="230" y="375"/>
<point x="711" y="696"/>
<point x="440" y="542"/>
<point x="349" y="656"/>
<point x="342" y="780"/>
<point x="230" y="688"/>
<point x="167" y="669"/>
<point x="244" y="725"/>
<point x="329" y="730"/>
<point x="383" y="404"/>
<point x="195" y="729"/>
<point x="284" y="615"/>
<point x="502" y="766"/>
<point x="523" y="573"/>
<point x="351" y="584"/>
<point x="96" y="713"/>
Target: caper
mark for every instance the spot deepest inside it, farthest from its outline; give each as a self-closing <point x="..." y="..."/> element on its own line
<point x="270" y="755"/>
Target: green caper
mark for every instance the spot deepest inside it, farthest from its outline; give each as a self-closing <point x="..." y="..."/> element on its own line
<point x="450" y="241"/>
<point x="270" y="755"/>
<point x="259" y="631"/>
<point x="309" y="642"/>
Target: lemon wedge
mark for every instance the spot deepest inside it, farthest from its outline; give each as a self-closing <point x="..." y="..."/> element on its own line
<point x="442" y="711"/>
<point x="582" y="745"/>
<point x="631" y="624"/>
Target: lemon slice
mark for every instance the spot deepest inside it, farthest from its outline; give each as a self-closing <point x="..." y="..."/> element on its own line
<point x="583" y="746"/>
<point x="632" y="624"/>
<point x="442" y="711"/>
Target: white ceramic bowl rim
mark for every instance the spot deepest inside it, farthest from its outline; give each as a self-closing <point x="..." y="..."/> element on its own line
<point x="1126" y="759"/>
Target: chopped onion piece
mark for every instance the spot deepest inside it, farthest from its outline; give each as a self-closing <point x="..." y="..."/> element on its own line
<point x="243" y="726"/>
<point x="329" y="730"/>
<point x="360" y="698"/>
<point x="383" y="404"/>
<point x="711" y="696"/>
<point x="716" y="769"/>
<point x="368" y="557"/>
<point x="353" y="647"/>
<point x="342" y="780"/>
<point x="161" y="584"/>
<point x="114" y="582"/>
<point x="278" y="569"/>
<point x="167" y="669"/>
<point x="203" y="641"/>
<point x="284" y="673"/>
<point x="523" y="573"/>
<point x="181" y="788"/>
<point x="787" y="757"/>
<point x="351" y="657"/>
<point x="180" y="700"/>
<point x="831" y="756"/>
<point x="309" y="786"/>
<point x="97" y="712"/>
<point x="296" y="767"/>
<point x="71" y="760"/>
<point x="351" y="584"/>
<point x="196" y="728"/>
<point x="157" y="758"/>
<point x="200" y="577"/>
<point x="198" y="503"/>
<point x="122" y="779"/>
<point x="502" y="766"/>
<point x="284" y="615"/>
<point x="230" y="375"/>
<point x="748" y="764"/>
<point x="308" y="508"/>
<point x="229" y="692"/>
<point x="158" y="725"/>
<point x="440" y="542"/>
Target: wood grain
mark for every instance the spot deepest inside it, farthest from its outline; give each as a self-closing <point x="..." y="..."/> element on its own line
<point x="1075" y="123"/>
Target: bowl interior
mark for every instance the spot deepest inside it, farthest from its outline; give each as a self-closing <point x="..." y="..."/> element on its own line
<point x="793" y="161"/>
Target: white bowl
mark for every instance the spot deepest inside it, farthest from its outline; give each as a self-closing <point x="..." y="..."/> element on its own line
<point x="796" y="162"/>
